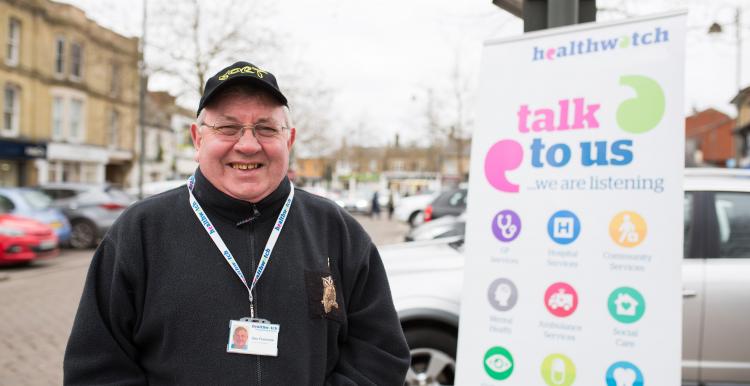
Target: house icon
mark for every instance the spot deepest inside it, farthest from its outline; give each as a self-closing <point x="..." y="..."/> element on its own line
<point x="625" y="305"/>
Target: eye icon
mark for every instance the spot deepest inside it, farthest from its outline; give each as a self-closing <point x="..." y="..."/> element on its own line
<point x="498" y="363"/>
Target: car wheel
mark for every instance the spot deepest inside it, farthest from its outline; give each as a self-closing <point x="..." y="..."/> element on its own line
<point x="416" y="218"/>
<point x="433" y="357"/>
<point x="82" y="234"/>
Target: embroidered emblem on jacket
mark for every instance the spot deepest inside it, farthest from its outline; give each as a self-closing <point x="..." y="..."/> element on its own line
<point x="329" y="294"/>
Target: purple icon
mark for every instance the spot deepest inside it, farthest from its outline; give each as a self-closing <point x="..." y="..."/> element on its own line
<point x="506" y="225"/>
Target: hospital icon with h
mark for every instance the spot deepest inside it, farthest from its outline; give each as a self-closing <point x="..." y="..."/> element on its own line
<point x="563" y="227"/>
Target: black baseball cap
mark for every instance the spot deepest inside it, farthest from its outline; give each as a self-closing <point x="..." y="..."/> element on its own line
<point x="241" y="72"/>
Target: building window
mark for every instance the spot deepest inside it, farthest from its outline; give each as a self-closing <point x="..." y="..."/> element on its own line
<point x="114" y="84"/>
<point x="57" y="117"/>
<point x="11" y="110"/>
<point x="114" y="123"/>
<point x="68" y="116"/>
<point x="76" y="118"/>
<point x="59" y="56"/>
<point x="76" y="60"/>
<point x="14" y="42"/>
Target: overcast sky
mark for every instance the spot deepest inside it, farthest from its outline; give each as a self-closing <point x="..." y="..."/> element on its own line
<point x="380" y="56"/>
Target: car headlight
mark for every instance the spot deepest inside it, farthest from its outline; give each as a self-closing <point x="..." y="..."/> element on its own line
<point x="5" y="231"/>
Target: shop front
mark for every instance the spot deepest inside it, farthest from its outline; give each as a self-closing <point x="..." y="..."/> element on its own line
<point x="73" y="163"/>
<point x="17" y="162"/>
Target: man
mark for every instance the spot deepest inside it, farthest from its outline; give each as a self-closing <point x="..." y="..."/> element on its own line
<point x="178" y="269"/>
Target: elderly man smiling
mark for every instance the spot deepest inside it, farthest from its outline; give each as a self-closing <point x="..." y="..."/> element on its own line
<point x="237" y="246"/>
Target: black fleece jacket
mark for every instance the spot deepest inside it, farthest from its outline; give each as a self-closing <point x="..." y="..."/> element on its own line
<point x="159" y="296"/>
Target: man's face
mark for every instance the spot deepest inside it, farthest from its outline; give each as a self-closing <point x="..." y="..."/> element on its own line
<point x="245" y="169"/>
<point x="240" y="337"/>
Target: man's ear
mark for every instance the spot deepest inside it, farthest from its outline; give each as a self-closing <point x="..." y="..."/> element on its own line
<point x="292" y="137"/>
<point x="197" y="138"/>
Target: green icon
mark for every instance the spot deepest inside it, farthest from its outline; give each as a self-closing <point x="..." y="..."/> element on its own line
<point x="498" y="363"/>
<point x="645" y="111"/>
<point x="626" y="305"/>
<point x="558" y="370"/>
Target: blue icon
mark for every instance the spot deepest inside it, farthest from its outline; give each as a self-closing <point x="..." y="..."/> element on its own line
<point x="624" y="373"/>
<point x="564" y="227"/>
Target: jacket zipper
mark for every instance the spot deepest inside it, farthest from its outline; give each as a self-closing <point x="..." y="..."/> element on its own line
<point x="252" y="272"/>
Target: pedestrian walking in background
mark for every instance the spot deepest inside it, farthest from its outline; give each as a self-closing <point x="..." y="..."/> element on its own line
<point x="391" y="205"/>
<point x="375" y="206"/>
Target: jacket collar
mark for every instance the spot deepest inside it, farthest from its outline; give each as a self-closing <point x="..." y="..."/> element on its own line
<point x="238" y="211"/>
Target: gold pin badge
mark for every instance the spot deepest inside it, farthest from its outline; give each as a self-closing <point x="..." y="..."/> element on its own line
<point x="329" y="294"/>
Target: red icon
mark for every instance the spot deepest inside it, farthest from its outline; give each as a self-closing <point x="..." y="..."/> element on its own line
<point x="561" y="299"/>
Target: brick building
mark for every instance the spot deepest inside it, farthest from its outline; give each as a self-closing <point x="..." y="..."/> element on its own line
<point x="70" y="96"/>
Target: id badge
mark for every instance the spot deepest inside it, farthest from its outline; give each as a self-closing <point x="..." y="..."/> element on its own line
<point x="253" y="336"/>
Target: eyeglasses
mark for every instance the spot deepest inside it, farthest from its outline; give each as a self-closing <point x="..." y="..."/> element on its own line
<point x="262" y="131"/>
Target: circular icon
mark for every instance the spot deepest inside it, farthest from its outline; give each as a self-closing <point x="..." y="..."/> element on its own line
<point x="558" y="370"/>
<point x="624" y="373"/>
<point x="627" y="229"/>
<point x="561" y="299"/>
<point x="506" y="225"/>
<point x="498" y="363"/>
<point x="563" y="227"/>
<point x="626" y="305"/>
<point x="502" y="294"/>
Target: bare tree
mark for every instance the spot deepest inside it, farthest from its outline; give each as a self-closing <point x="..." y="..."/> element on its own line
<point x="448" y="117"/>
<point x="190" y="39"/>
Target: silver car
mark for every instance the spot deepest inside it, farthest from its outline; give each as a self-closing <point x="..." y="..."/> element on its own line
<point x="426" y="279"/>
<point x="91" y="209"/>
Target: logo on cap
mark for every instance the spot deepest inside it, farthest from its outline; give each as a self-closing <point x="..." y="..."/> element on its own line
<point x="245" y="70"/>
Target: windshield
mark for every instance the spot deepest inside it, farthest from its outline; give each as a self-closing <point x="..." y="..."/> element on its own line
<point x="36" y="199"/>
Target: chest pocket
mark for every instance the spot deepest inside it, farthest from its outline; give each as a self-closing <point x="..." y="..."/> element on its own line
<point x="323" y="297"/>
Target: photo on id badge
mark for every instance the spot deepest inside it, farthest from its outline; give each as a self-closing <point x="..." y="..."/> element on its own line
<point x="238" y="337"/>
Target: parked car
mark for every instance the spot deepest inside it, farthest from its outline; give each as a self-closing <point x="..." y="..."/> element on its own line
<point x="22" y="240"/>
<point x="156" y="187"/>
<point x="361" y="201"/>
<point x="451" y="202"/>
<point x="411" y="209"/>
<point x="446" y="226"/>
<point x="426" y="279"/>
<point x="32" y="203"/>
<point x="91" y="209"/>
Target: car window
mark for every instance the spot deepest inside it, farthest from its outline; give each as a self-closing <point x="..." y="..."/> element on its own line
<point x="733" y="218"/>
<point x="36" y="199"/>
<point x="120" y="195"/>
<point x="59" y="194"/>
<point x="457" y="199"/>
<point x="6" y="205"/>
<point x="688" y="220"/>
<point x="451" y="198"/>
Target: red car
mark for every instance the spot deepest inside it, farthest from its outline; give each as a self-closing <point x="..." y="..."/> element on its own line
<point x="23" y="240"/>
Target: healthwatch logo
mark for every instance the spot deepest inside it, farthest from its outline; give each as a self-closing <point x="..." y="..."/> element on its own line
<point x="590" y="45"/>
<point x="636" y="115"/>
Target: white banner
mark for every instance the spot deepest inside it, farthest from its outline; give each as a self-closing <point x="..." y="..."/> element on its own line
<point x="574" y="233"/>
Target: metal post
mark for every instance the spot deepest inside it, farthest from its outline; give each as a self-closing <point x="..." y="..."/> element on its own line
<point x="142" y="103"/>
<point x="543" y="14"/>
<point x="561" y="13"/>
<point x="738" y="29"/>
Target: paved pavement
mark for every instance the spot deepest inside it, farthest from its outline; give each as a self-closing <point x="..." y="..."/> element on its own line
<point x="38" y="304"/>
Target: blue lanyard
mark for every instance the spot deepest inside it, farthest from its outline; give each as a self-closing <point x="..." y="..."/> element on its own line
<point x="265" y="257"/>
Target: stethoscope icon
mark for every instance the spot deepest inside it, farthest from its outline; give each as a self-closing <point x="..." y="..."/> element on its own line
<point x="507" y="228"/>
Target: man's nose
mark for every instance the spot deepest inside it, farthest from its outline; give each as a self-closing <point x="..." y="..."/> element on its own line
<point x="247" y="141"/>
